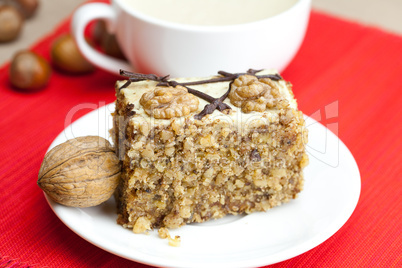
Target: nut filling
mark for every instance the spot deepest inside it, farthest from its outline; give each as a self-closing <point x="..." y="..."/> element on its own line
<point x="185" y="170"/>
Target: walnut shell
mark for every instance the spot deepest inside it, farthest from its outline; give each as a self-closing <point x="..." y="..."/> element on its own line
<point x="81" y="172"/>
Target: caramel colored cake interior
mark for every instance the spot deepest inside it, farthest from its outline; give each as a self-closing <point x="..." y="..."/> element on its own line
<point x="236" y="147"/>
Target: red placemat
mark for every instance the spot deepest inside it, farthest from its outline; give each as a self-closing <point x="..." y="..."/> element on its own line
<point x="347" y="76"/>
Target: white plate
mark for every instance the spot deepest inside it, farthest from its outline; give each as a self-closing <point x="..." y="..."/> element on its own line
<point x="331" y="192"/>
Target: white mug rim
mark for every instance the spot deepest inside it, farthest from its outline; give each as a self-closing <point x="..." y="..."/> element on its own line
<point x="204" y="28"/>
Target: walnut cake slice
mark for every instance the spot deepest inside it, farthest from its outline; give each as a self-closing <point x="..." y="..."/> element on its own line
<point x="194" y="149"/>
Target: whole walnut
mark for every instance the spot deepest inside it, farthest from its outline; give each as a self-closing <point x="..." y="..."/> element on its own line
<point x="81" y="172"/>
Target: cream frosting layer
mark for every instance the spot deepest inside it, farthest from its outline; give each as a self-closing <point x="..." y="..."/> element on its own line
<point x="238" y="119"/>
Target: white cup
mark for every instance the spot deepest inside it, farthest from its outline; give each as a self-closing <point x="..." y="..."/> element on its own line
<point x="156" y="46"/>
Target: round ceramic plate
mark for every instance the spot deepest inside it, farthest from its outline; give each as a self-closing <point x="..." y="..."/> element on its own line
<point x="331" y="193"/>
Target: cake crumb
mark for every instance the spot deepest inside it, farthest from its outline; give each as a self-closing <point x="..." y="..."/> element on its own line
<point x="163" y="233"/>
<point x="173" y="242"/>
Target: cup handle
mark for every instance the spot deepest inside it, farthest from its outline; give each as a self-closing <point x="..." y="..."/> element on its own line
<point x="81" y="18"/>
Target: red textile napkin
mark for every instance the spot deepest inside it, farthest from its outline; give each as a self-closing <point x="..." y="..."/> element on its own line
<point x="354" y="70"/>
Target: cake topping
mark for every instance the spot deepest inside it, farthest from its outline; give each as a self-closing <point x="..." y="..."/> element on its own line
<point x="250" y="94"/>
<point x="253" y="102"/>
<point x="169" y="102"/>
<point x="129" y="110"/>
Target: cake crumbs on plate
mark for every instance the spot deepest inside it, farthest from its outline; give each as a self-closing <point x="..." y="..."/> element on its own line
<point x="173" y="242"/>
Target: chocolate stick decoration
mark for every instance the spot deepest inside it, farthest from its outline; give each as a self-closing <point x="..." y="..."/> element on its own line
<point x="221" y="106"/>
<point x="135" y="77"/>
<point x="217" y="103"/>
<point x="214" y="103"/>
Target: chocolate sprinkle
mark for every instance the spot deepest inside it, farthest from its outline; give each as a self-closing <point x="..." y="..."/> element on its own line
<point x="215" y="104"/>
<point x="129" y="110"/>
<point x="135" y="77"/>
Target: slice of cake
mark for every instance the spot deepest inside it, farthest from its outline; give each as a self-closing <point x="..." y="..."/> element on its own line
<point x="201" y="148"/>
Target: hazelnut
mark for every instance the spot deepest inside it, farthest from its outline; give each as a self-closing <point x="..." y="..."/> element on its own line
<point x="110" y="46"/>
<point x="29" y="71"/>
<point x="11" y="23"/>
<point x="107" y="41"/>
<point x="80" y="172"/>
<point x="98" y="30"/>
<point x="28" y="7"/>
<point x="67" y="57"/>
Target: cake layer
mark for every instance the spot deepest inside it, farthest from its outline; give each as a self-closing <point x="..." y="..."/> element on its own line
<point x="184" y="161"/>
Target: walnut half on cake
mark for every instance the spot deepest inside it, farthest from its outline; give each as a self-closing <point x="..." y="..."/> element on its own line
<point x="201" y="148"/>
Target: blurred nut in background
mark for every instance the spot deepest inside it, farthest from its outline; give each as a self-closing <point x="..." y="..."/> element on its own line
<point x="98" y="30"/>
<point x="107" y="41"/>
<point x="110" y="46"/>
<point x="28" y="7"/>
<point x="11" y="23"/>
<point x="29" y="71"/>
<point x="66" y="56"/>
